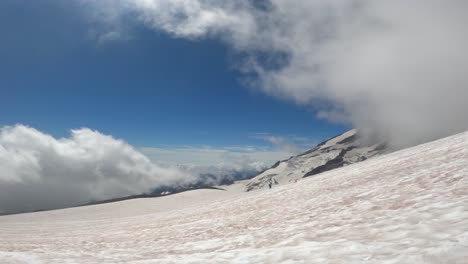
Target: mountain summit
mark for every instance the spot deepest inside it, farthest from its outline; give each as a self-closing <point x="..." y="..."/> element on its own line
<point x="339" y="151"/>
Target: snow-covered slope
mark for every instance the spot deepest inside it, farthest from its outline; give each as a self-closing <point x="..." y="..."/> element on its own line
<point x="409" y="206"/>
<point x="337" y="152"/>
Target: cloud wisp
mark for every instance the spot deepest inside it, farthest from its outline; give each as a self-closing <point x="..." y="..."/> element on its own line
<point x="292" y="145"/>
<point x="396" y="70"/>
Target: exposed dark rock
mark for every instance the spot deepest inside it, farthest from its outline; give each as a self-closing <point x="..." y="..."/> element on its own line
<point x="337" y="162"/>
<point x="276" y="164"/>
<point x="348" y="139"/>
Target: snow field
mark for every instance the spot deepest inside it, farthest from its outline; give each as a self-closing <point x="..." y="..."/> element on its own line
<point x="410" y="206"/>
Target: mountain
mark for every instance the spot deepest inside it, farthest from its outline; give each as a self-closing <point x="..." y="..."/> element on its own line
<point x="336" y="152"/>
<point x="409" y="206"/>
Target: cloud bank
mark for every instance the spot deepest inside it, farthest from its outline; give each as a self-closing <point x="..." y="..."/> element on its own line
<point x="396" y="70"/>
<point x="38" y="171"/>
<point x="224" y="163"/>
<point x="240" y="157"/>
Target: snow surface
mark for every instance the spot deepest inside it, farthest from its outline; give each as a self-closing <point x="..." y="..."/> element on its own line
<point x="410" y="206"/>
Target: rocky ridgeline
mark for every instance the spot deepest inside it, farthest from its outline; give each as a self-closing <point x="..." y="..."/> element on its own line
<point x="336" y="152"/>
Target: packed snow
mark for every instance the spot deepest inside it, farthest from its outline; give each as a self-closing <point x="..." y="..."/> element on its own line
<point x="410" y="206"/>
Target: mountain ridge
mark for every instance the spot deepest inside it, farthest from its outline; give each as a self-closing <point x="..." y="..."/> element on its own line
<point x="338" y="151"/>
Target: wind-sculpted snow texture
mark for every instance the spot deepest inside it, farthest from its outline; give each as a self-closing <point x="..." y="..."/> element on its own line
<point x="409" y="206"/>
<point x="337" y="152"/>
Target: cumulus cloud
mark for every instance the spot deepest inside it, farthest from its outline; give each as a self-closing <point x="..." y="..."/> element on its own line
<point x="396" y="70"/>
<point x="38" y="171"/>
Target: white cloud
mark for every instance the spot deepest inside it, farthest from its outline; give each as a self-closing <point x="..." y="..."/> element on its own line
<point x="221" y="164"/>
<point x="38" y="171"/>
<point x="394" y="69"/>
<point x="110" y="36"/>
<point x="231" y="161"/>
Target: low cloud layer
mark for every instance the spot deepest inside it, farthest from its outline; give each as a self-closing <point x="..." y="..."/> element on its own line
<point x="38" y="171"/>
<point x="234" y="162"/>
<point x="235" y="157"/>
<point x="396" y="70"/>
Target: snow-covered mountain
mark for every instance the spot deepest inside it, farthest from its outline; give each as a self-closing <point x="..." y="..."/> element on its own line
<point x="409" y="206"/>
<point x="336" y="152"/>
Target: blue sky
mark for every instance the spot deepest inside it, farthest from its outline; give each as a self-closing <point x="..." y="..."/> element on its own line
<point x="108" y="98"/>
<point x="150" y="89"/>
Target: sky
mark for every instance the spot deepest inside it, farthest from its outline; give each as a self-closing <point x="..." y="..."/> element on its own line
<point x="108" y="98"/>
<point x="180" y="106"/>
<point x="151" y="89"/>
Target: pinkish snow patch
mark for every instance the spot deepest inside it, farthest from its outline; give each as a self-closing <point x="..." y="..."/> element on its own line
<point x="410" y="206"/>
